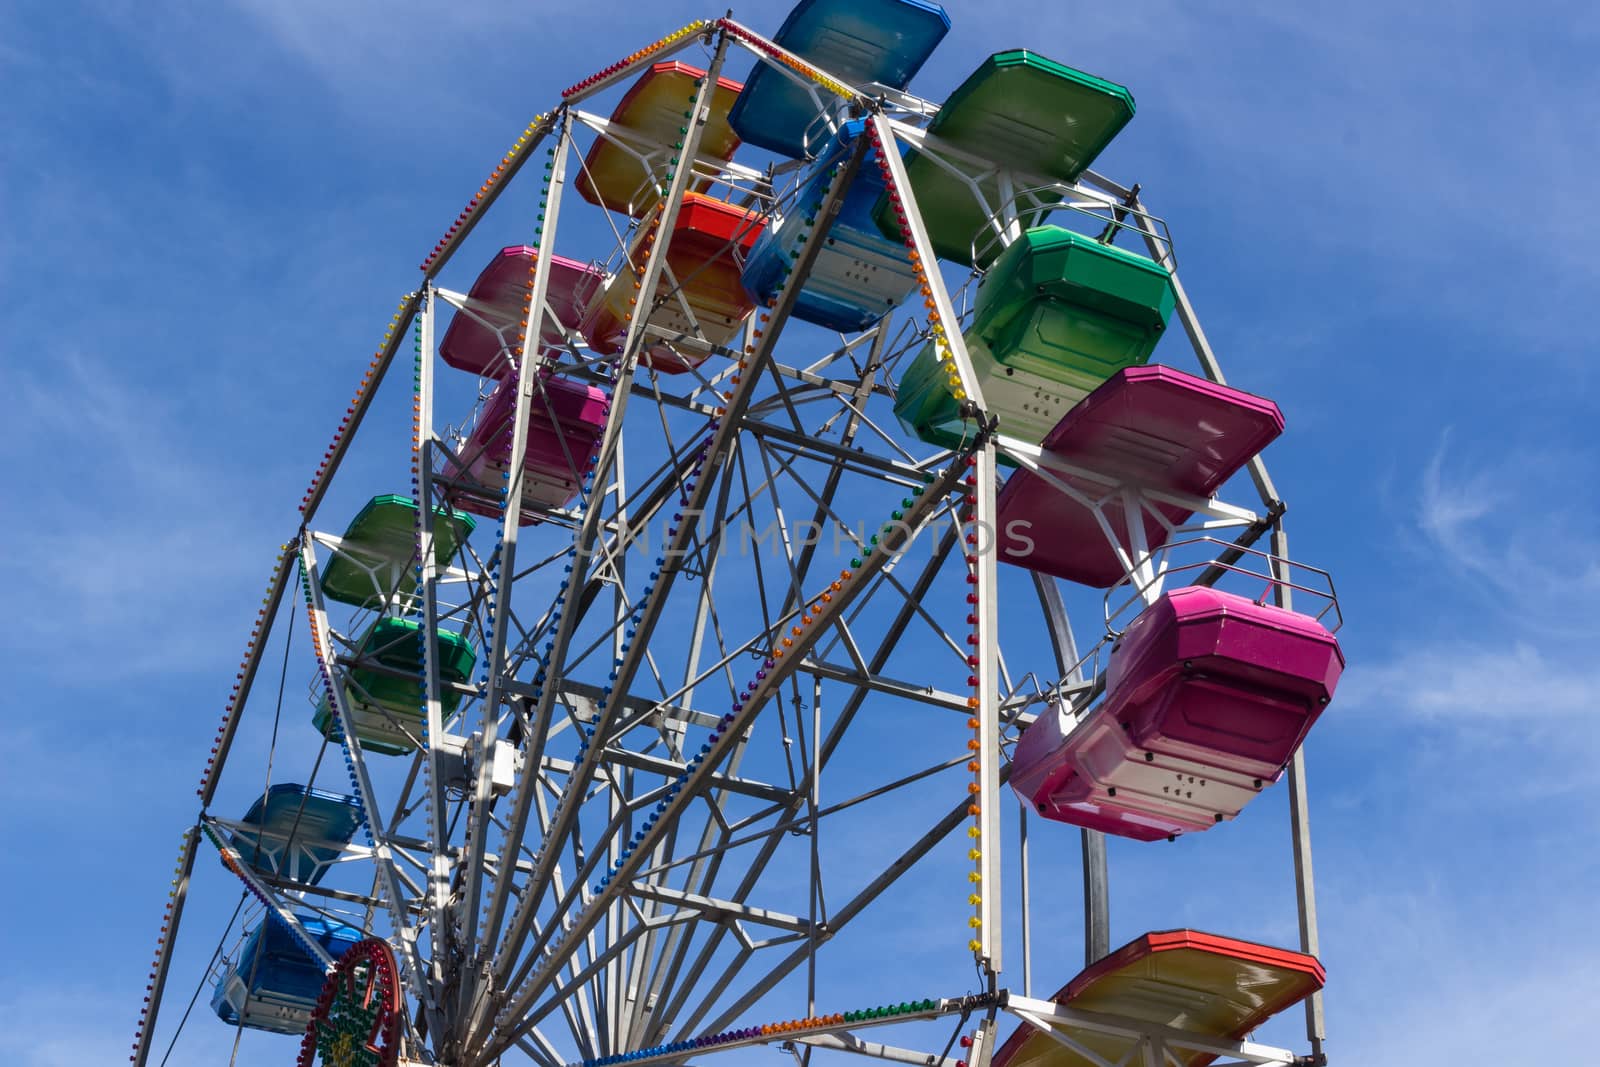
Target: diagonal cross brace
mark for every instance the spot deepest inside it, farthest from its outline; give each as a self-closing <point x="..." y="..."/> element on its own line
<point x="382" y="851"/>
<point x="784" y="662"/>
<point x="586" y="542"/>
<point x="675" y="552"/>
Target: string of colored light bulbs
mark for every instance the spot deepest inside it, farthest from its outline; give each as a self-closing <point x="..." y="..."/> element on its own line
<point x="424" y="636"/>
<point x="232" y="861"/>
<point x="965" y="513"/>
<point x="633" y="58"/>
<point x="788" y="59"/>
<point x="569" y="578"/>
<point x="532" y="326"/>
<point x="475" y="203"/>
<point x="751" y="1033"/>
<point x="343" y="428"/>
<point x="161" y="941"/>
<point x="336" y="722"/>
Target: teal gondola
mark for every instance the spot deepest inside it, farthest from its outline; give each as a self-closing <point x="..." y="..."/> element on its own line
<point x="302" y="832"/>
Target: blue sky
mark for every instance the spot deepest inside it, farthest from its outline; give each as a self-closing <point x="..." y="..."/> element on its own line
<point x="1382" y="217"/>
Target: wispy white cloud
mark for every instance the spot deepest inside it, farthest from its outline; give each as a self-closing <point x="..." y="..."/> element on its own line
<point x="1473" y="684"/>
<point x="1473" y="734"/>
<point x="1508" y="542"/>
<point x="1428" y="976"/>
<point x="379" y="69"/>
<point x="137" y="549"/>
<point x="1516" y="525"/>
<point x="1494" y="665"/>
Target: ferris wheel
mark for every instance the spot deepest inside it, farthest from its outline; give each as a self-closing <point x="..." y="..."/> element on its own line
<point x="795" y="532"/>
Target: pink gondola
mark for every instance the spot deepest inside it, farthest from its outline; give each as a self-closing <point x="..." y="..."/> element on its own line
<point x="1213" y="677"/>
<point x="1148" y="427"/>
<point x="499" y="295"/>
<point x="565" y="422"/>
<point x="1208" y="695"/>
<point x="1091" y="775"/>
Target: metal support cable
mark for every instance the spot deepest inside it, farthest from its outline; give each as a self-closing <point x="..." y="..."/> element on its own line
<point x="272" y="750"/>
<point x="215" y="955"/>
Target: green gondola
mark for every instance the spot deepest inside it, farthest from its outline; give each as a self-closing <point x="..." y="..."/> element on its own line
<point x="1056" y="315"/>
<point x="376" y="553"/>
<point x="1032" y="116"/>
<point x="381" y="703"/>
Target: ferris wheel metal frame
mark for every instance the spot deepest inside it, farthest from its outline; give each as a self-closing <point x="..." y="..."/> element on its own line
<point x="556" y="918"/>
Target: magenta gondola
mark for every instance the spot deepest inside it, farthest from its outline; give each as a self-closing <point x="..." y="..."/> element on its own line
<point x="1148" y="427"/>
<point x="565" y="421"/>
<point x="1208" y="695"/>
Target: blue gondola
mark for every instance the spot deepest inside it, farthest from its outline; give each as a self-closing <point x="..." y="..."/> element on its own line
<point x="861" y="41"/>
<point x="320" y="823"/>
<point x="860" y="274"/>
<point x="274" y="984"/>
